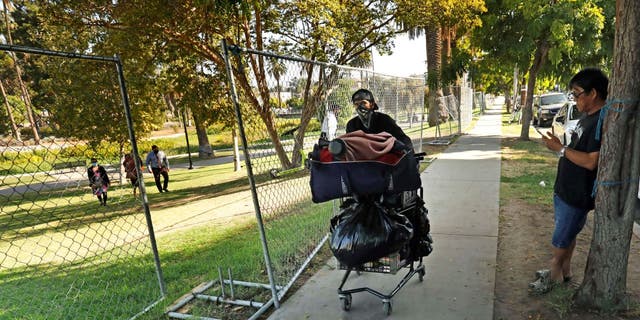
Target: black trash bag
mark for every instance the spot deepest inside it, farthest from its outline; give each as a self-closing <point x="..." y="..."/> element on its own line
<point x="420" y="244"/>
<point x="366" y="231"/>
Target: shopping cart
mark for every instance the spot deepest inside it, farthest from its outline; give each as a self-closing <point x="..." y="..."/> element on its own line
<point x="399" y="187"/>
<point x="392" y="263"/>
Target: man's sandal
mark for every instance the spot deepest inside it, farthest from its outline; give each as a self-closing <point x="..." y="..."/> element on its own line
<point x="543" y="285"/>
<point x="547" y="273"/>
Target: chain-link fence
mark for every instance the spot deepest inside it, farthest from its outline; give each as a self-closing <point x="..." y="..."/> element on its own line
<point x="455" y="115"/>
<point x="65" y="254"/>
<point x="479" y="101"/>
<point x="285" y="111"/>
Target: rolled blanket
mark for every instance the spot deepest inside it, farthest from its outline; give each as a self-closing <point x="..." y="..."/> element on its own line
<point x="367" y="146"/>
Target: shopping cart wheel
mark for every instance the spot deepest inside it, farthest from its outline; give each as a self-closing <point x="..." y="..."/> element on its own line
<point x="386" y="306"/>
<point x="345" y="300"/>
<point x="421" y="274"/>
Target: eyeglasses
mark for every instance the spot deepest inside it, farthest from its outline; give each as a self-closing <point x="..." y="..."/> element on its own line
<point x="576" y="95"/>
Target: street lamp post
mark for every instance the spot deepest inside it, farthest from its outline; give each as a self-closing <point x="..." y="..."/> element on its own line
<point x="186" y="135"/>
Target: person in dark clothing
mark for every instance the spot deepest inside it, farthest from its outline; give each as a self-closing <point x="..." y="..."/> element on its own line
<point x="577" y="171"/>
<point x="99" y="181"/>
<point x="370" y="121"/>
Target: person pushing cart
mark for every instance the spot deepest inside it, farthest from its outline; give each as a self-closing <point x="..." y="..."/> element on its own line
<point x="382" y="225"/>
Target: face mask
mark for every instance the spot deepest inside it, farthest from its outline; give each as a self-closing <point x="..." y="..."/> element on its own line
<point x="365" y="115"/>
<point x="94" y="164"/>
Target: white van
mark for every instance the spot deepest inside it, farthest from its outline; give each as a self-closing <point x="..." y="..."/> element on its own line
<point x="565" y="121"/>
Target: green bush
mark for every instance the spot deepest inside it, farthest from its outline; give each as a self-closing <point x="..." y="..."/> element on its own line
<point x="217" y="128"/>
<point x="46" y="131"/>
<point x="295" y="103"/>
<point x="314" y="125"/>
<point x="74" y="151"/>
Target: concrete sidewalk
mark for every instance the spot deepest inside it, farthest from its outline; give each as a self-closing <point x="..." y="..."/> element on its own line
<point x="461" y="189"/>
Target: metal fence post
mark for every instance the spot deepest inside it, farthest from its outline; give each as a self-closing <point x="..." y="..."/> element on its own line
<point x="252" y="182"/>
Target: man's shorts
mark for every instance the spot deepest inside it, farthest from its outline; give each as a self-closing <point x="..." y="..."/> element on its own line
<point x="569" y="221"/>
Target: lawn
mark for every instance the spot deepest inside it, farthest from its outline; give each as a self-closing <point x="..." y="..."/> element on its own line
<point x="82" y="260"/>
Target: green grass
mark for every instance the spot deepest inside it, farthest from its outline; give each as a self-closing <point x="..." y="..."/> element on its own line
<point x="524" y="165"/>
<point x="81" y="261"/>
<point x="198" y="252"/>
<point x="560" y="299"/>
<point x="95" y="262"/>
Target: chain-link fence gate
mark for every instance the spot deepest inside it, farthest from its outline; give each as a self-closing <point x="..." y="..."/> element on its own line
<point x="455" y="115"/>
<point x="83" y="260"/>
<point x="64" y="255"/>
<point x="282" y="113"/>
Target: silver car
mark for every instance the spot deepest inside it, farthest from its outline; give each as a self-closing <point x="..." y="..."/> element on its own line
<point x="565" y="121"/>
<point x="545" y="107"/>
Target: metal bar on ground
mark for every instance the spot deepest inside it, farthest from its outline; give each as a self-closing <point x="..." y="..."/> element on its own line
<point x="182" y="301"/>
<point x="221" y="281"/>
<point x="262" y="310"/>
<point x="238" y="302"/>
<point x="233" y="295"/>
<point x="252" y="284"/>
<point x="177" y="315"/>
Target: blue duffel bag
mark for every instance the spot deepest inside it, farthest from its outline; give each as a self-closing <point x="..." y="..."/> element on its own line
<point x="390" y="174"/>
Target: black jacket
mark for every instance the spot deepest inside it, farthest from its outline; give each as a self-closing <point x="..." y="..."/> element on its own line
<point x="103" y="174"/>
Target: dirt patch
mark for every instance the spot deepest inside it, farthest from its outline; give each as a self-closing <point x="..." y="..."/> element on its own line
<point x="524" y="246"/>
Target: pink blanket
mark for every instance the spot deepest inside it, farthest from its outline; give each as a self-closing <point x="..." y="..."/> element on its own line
<point x="367" y="146"/>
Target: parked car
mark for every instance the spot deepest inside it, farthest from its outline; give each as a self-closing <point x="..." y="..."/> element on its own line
<point x="565" y="121"/>
<point x="545" y="107"/>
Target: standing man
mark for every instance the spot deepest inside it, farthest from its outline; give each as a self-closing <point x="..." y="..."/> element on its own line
<point x="158" y="165"/>
<point x="99" y="181"/>
<point x="577" y="171"/>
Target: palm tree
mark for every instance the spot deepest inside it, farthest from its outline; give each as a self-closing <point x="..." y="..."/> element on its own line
<point x="276" y="69"/>
<point x="434" y="66"/>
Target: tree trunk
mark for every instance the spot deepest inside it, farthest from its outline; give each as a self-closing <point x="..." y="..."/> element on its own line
<point x="436" y="96"/>
<point x="14" y="127"/>
<point x="25" y="92"/>
<point x="263" y="109"/>
<point x="507" y="99"/>
<point x="279" y="90"/>
<point x="604" y="284"/>
<point x="204" y="147"/>
<point x="170" y="101"/>
<point x="538" y="61"/>
<point x="446" y="35"/>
